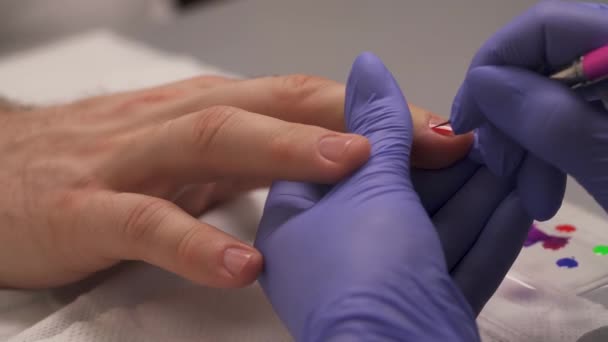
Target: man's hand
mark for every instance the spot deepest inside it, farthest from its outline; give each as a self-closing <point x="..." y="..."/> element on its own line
<point x="121" y="177"/>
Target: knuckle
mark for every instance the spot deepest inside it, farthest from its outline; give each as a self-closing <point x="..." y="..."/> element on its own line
<point x="546" y="11"/>
<point x="298" y="81"/>
<point x="562" y="116"/>
<point x="209" y="80"/>
<point x="68" y="201"/>
<point x="209" y="123"/>
<point x="188" y="246"/>
<point x="559" y="113"/>
<point x="63" y="202"/>
<point x="548" y="16"/>
<point x="140" y="99"/>
<point x="144" y="218"/>
<point x="298" y="87"/>
<point x="281" y="143"/>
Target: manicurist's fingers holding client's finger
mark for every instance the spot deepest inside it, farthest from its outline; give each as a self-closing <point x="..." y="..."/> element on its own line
<point x="361" y="260"/>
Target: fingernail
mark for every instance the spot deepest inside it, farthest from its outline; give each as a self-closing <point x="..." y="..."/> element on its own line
<point x="445" y="130"/>
<point x="332" y="147"/>
<point x="235" y="260"/>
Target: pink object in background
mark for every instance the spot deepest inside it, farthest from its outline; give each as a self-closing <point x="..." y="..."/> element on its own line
<point x="595" y="63"/>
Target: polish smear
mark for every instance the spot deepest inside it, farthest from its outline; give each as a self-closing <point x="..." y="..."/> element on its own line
<point x="600" y="250"/>
<point x="565" y="228"/>
<point x="567" y="262"/>
<point x="552" y="242"/>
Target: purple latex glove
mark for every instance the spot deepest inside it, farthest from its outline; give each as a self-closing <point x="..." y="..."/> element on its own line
<point x="529" y="123"/>
<point x="361" y="260"/>
<point x="481" y="224"/>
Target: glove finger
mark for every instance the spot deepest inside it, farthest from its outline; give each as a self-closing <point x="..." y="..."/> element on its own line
<point x="484" y="266"/>
<point x="461" y="219"/>
<point x="435" y="187"/>
<point x="465" y="114"/>
<point x="544" y="117"/>
<point x="286" y="200"/>
<point x="594" y="92"/>
<point x="601" y="7"/>
<point x="376" y="109"/>
<point x="541" y="187"/>
<point x="497" y="151"/>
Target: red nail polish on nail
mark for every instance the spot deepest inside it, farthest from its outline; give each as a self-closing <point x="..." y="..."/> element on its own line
<point x="443" y="130"/>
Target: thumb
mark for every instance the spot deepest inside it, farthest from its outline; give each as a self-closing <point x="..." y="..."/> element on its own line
<point x="376" y="109"/>
<point x="138" y="227"/>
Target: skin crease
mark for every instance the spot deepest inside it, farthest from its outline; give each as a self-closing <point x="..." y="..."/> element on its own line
<point x="123" y="176"/>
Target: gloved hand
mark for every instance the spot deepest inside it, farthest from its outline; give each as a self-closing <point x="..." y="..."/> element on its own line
<point x="530" y="123"/>
<point x="361" y="260"/>
<point x="481" y="222"/>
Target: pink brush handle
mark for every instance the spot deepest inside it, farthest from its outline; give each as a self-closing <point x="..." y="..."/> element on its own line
<point x="595" y="63"/>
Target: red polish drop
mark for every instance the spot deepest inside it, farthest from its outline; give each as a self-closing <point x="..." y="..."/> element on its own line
<point x="565" y="228"/>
